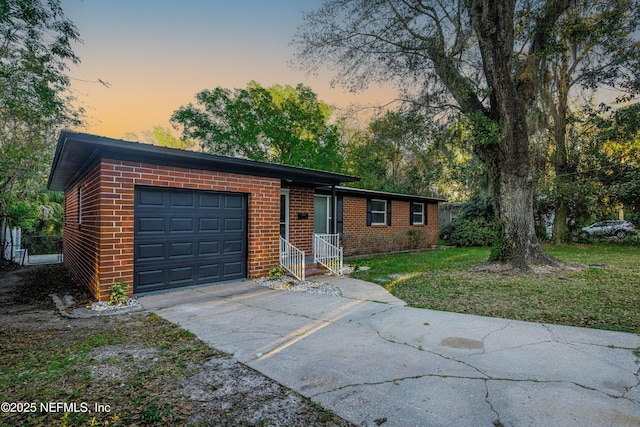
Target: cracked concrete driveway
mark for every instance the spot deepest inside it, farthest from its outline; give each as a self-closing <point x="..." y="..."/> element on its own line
<point x="375" y="362"/>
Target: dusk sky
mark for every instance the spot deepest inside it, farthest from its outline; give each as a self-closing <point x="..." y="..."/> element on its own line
<point x="157" y="54"/>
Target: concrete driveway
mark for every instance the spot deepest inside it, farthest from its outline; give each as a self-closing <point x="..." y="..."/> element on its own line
<point x="375" y="362"/>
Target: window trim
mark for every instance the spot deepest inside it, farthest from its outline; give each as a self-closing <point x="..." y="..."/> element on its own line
<point x="422" y="214"/>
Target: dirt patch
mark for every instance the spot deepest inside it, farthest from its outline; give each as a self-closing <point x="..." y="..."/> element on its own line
<point x="129" y="369"/>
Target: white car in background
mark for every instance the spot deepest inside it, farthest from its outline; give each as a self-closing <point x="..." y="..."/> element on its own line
<point x="608" y="228"/>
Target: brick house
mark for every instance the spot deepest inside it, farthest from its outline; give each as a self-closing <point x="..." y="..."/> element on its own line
<point x="160" y="218"/>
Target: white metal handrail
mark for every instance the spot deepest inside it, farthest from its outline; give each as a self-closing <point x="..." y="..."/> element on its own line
<point x="292" y="259"/>
<point x="327" y="251"/>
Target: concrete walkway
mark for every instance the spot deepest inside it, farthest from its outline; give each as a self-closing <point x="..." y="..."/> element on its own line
<point x="380" y="363"/>
<point x="43" y="259"/>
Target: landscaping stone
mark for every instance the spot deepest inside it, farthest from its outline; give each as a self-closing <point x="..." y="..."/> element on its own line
<point x="294" y="285"/>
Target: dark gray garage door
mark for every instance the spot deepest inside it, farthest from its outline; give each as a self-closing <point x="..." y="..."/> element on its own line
<point x="185" y="237"/>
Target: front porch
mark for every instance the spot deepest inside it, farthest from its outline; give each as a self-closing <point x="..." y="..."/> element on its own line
<point x="307" y="244"/>
<point x="327" y="257"/>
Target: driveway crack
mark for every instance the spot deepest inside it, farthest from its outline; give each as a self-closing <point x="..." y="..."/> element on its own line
<point x="494" y="332"/>
<point x="396" y="381"/>
<point x="419" y="348"/>
<point x="637" y="375"/>
<point x="383" y="311"/>
<point x="497" y="421"/>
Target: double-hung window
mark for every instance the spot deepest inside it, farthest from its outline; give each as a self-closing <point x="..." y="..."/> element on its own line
<point x="378" y="212"/>
<point x="417" y="214"/>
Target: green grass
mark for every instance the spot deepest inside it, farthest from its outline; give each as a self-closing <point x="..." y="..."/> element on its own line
<point x="605" y="295"/>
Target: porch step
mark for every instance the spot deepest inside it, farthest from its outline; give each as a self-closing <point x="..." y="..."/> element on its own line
<point x="314" y="269"/>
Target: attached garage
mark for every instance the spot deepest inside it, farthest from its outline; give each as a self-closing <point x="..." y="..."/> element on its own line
<point x="188" y="237"/>
<point x="159" y="218"/>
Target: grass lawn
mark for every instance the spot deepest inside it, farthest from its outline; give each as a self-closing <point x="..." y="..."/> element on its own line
<point x="604" y="296"/>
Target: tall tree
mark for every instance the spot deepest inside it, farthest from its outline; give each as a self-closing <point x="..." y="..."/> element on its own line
<point x="461" y="54"/>
<point x="386" y="155"/>
<point x="594" y="46"/>
<point x="281" y="124"/>
<point x="617" y="140"/>
<point x="35" y="51"/>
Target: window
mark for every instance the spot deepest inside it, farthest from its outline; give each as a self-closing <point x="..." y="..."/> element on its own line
<point x="284" y="213"/>
<point x="417" y="214"/>
<point x="378" y="212"/>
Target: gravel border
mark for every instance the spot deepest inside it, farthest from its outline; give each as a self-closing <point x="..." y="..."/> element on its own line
<point x="293" y="285"/>
<point x="96" y="309"/>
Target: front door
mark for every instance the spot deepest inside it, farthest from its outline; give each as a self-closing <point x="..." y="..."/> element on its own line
<point x="321" y="214"/>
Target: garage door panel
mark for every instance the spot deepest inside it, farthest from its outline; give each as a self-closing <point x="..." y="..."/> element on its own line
<point x="209" y="225"/>
<point x="232" y="268"/>
<point x="150" y="198"/>
<point x="181" y="200"/>
<point x="150" y="277"/>
<point x="210" y="272"/>
<point x="181" y="225"/>
<point x="180" y="249"/>
<point x="184" y="238"/>
<point x="234" y="202"/>
<point x="233" y="224"/>
<point x="182" y="274"/>
<point x="152" y="251"/>
<point x="151" y="225"/>
<point x="232" y="247"/>
<point x="209" y="248"/>
<point x="210" y="201"/>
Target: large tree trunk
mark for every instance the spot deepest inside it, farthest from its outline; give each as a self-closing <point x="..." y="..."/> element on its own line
<point x="507" y="153"/>
<point x="517" y="243"/>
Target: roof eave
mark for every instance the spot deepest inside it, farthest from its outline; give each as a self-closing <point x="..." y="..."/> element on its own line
<point x="361" y="192"/>
<point x="132" y="151"/>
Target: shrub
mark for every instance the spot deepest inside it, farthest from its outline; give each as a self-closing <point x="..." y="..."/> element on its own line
<point x="470" y="232"/>
<point x="276" y="272"/>
<point x="119" y="293"/>
<point x="414" y="239"/>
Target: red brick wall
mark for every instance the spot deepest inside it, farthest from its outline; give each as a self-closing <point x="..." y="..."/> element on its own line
<point x="358" y="238"/>
<point x="81" y="241"/>
<point x="100" y="252"/>
<point x="301" y="230"/>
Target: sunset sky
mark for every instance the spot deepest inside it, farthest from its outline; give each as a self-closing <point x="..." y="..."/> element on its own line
<point x="157" y="54"/>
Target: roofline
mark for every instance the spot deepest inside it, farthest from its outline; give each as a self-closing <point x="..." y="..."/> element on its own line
<point x="139" y="152"/>
<point x="340" y="189"/>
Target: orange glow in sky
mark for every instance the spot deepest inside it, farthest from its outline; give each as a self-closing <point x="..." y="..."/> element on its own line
<point x="157" y="54"/>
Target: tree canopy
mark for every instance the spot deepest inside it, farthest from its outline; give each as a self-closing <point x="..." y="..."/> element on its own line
<point x="475" y="59"/>
<point x="392" y="155"/>
<point x="594" y="46"/>
<point x="281" y="124"/>
<point x="35" y="52"/>
<point x="160" y="136"/>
